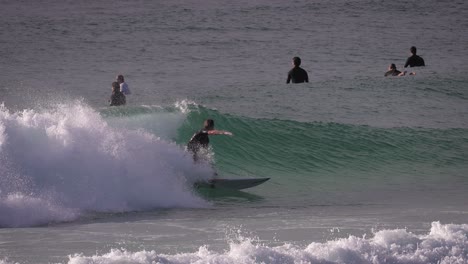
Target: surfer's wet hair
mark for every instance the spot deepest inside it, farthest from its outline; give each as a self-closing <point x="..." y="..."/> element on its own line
<point x="209" y="123"/>
<point x="413" y="50"/>
<point x="297" y="61"/>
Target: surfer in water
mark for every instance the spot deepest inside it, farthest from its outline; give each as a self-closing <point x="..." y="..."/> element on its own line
<point x="123" y="85"/>
<point x="392" y="71"/>
<point x="117" y="97"/>
<point x="414" y="60"/>
<point x="200" y="140"/>
<point x="297" y="74"/>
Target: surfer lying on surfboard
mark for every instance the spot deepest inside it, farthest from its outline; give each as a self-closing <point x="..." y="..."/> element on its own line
<point x="200" y="140"/>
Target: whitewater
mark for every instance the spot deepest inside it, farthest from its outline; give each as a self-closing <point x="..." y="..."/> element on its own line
<point x="58" y="164"/>
<point x="442" y="244"/>
<point x="362" y="168"/>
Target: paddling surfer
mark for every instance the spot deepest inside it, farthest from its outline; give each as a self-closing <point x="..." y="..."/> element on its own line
<point x="392" y="71"/>
<point x="200" y="140"/>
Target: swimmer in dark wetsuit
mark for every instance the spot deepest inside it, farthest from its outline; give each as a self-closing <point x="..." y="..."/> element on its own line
<point x="414" y="60"/>
<point x="200" y="139"/>
<point x="117" y="98"/>
<point x="297" y="74"/>
<point x="392" y="71"/>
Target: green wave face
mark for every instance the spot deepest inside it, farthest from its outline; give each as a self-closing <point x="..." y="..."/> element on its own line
<point x="328" y="163"/>
<point x="328" y="153"/>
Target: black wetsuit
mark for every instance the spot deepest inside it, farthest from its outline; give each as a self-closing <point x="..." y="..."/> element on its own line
<point x="297" y="75"/>
<point x="392" y="73"/>
<point x="414" y="61"/>
<point x="117" y="98"/>
<point x="198" y="140"/>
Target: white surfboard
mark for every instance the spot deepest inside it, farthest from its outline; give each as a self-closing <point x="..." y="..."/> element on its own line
<point x="236" y="184"/>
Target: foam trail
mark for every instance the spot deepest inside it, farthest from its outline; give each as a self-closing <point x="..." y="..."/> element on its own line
<point x="5" y="261"/>
<point x="444" y="244"/>
<point x="16" y="210"/>
<point x="68" y="160"/>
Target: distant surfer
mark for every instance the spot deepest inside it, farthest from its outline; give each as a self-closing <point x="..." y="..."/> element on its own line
<point x="123" y="85"/>
<point x="392" y="71"/>
<point x="414" y="60"/>
<point x="117" y="97"/>
<point x="200" y="140"/>
<point x="297" y="74"/>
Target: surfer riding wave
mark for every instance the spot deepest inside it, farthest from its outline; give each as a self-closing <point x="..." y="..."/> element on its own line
<point x="200" y="140"/>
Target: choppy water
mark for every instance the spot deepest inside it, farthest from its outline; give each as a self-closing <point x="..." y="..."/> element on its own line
<point x="364" y="169"/>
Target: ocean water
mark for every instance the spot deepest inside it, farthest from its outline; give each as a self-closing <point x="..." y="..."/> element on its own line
<point x="363" y="168"/>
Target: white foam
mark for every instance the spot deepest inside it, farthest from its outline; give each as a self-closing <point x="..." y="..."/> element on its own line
<point x="69" y="160"/>
<point x="21" y="210"/>
<point x="185" y="105"/>
<point x="5" y="261"/>
<point x="444" y="244"/>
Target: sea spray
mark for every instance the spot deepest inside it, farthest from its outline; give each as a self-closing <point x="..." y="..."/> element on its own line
<point x="5" y="261"/>
<point x="18" y="209"/>
<point x="67" y="160"/>
<point x="444" y="243"/>
<point x="161" y="121"/>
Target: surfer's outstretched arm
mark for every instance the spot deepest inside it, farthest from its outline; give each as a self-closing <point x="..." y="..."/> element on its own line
<point x="219" y="132"/>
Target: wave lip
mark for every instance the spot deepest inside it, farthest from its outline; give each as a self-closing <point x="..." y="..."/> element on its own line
<point x="443" y="244"/>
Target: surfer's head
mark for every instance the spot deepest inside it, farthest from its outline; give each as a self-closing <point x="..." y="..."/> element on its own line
<point x="413" y="50"/>
<point x="209" y="124"/>
<point x="120" y="78"/>
<point x="115" y="87"/>
<point x="392" y="66"/>
<point x="297" y="61"/>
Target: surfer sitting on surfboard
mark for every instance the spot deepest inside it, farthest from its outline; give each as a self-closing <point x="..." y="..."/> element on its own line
<point x="200" y="139"/>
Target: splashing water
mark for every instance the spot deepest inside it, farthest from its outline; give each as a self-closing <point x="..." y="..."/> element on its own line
<point x="58" y="163"/>
<point x="443" y="244"/>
